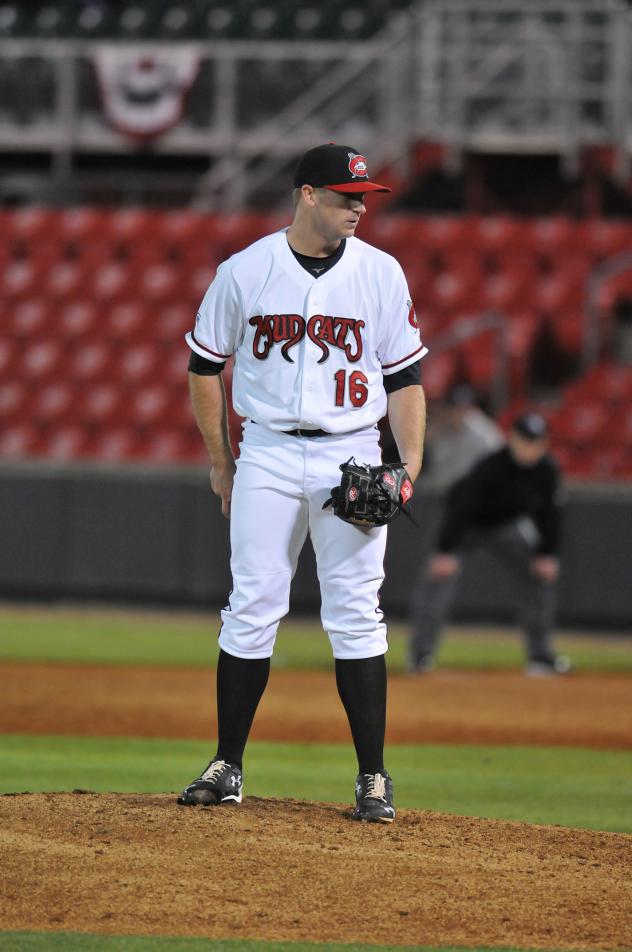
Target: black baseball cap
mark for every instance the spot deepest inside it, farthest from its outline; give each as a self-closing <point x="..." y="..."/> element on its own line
<point x="531" y="426"/>
<point x="339" y="168"/>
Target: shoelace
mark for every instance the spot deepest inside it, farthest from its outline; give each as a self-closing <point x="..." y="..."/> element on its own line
<point x="214" y="770"/>
<point x="376" y="787"/>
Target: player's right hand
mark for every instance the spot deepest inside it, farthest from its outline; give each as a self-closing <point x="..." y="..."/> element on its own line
<point x="443" y="565"/>
<point x="222" y="485"/>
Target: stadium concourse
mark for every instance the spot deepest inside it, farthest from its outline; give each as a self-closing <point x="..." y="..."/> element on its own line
<point x="96" y="303"/>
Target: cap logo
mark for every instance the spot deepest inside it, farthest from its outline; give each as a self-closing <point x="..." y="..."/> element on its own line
<point x="358" y="166"/>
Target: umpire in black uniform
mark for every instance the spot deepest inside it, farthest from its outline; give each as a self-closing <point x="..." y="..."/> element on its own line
<point x="509" y="503"/>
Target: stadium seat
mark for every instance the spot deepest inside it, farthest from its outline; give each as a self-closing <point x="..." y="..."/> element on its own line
<point x="101" y="404"/>
<point x="116" y="444"/>
<point x="14" y="396"/>
<point x="169" y="446"/>
<point x="42" y="360"/>
<point x="140" y="365"/>
<point x="610" y="382"/>
<point x="581" y="423"/>
<point x="437" y="375"/>
<point x="65" y="280"/>
<point x="29" y="319"/>
<point x="18" y="440"/>
<point x="171" y="323"/>
<point x="91" y="362"/>
<point x="608" y="238"/>
<point x="160" y="282"/>
<point x="67" y="442"/>
<point x="55" y="403"/>
<point x="498" y="235"/>
<point x="129" y="322"/>
<point x="21" y="279"/>
<point x="148" y="406"/>
<point x="78" y="320"/>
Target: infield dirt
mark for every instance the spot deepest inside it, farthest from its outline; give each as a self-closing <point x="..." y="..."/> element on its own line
<point x="282" y="869"/>
<point x="446" y="706"/>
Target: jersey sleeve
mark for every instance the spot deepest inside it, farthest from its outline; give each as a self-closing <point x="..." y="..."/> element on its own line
<point x="400" y="342"/>
<point x="218" y="325"/>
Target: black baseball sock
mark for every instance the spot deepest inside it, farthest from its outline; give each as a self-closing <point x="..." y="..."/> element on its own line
<point x="362" y="689"/>
<point x="240" y="684"/>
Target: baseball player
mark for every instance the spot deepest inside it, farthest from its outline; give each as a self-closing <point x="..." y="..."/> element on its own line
<point x="325" y="342"/>
<point x="509" y="503"/>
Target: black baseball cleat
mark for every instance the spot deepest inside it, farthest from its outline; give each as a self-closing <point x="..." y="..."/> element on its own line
<point x="220" y="783"/>
<point x="374" y="798"/>
<point x="549" y="665"/>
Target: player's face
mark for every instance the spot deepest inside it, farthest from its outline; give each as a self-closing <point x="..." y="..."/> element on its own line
<point x="336" y="214"/>
<point x="526" y="452"/>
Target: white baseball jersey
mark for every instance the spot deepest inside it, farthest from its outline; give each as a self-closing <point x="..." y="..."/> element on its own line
<point x="309" y="352"/>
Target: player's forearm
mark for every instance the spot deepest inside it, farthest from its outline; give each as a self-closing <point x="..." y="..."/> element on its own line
<point x="407" y="418"/>
<point x="209" y="406"/>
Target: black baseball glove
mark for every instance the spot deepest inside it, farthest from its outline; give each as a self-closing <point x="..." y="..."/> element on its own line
<point x="371" y="495"/>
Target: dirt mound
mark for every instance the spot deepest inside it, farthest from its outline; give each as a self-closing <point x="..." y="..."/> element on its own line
<point x="284" y="869"/>
<point x="501" y="707"/>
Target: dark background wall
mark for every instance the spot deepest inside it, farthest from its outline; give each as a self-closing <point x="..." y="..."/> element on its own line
<point x="154" y="535"/>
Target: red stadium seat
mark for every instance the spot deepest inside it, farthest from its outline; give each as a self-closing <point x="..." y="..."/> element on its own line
<point x="67" y="442"/>
<point x="29" y="319"/>
<point x="21" y="279"/>
<point x="140" y="365"/>
<point x="78" y="320"/>
<point x="42" y="360"/>
<point x="148" y="406"/>
<point x="437" y="374"/>
<point x="92" y="361"/>
<point x="127" y="322"/>
<point x="604" y="239"/>
<point x="581" y="423"/>
<point x="55" y="403"/>
<point x="20" y="439"/>
<point x="14" y="397"/>
<point x="111" y="281"/>
<point x="499" y="235"/>
<point x="81" y="226"/>
<point x="610" y="382"/>
<point x="101" y="404"/>
<point x="552" y="235"/>
<point x="198" y="282"/>
<point x="9" y="358"/>
<point x="31" y="225"/>
<point x="160" y="282"/>
<point x="115" y="445"/>
<point x="170" y="324"/>
<point x="66" y="279"/>
<point x="169" y="446"/>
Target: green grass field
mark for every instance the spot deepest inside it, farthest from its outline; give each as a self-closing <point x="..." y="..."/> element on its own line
<point x="567" y="786"/>
<point x="584" y="788"/>
<point x="69" y="942"/>
<point x="108" y="636"/>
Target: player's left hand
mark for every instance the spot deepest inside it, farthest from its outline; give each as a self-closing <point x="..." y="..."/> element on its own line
<point x="546" y="567"/>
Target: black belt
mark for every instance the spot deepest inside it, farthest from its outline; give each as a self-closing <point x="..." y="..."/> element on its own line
<point x="306" y="433"/>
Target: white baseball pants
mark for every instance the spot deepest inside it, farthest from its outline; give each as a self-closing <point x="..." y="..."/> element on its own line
<point x="281" y="484"/>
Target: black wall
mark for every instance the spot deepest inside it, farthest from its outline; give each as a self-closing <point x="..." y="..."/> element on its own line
<point x="155" y="535"/>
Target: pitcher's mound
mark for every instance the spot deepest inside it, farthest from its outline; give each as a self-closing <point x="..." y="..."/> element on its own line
<point x="287" y="869"/>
